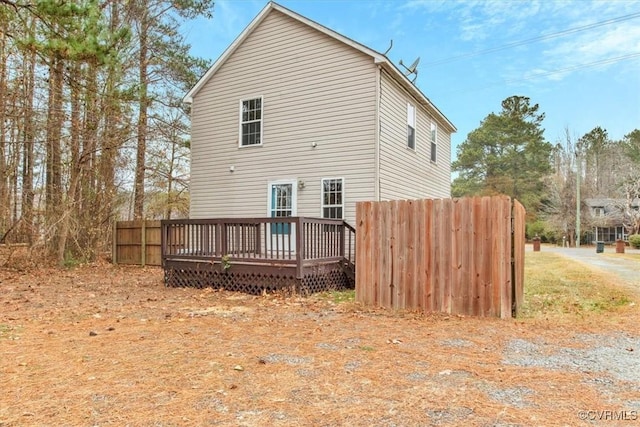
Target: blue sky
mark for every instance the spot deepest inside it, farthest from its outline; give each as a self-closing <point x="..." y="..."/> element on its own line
<point x="580" y="61"/>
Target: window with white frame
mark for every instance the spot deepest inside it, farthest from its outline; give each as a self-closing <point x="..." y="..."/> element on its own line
<point x="333" y="198"/>
<point x="598" y="211"/>
<point x="251" y="122"/>
<point x="434" y="145"/>
<point x="411" y="126"/>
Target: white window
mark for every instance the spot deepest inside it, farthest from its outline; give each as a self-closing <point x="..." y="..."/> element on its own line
<point x="333" y="198"/>
<point x="411" y="126"/>
<point x="434" y="145"/>
<point x="251" y="122"/>
<point x="598" y="211"/>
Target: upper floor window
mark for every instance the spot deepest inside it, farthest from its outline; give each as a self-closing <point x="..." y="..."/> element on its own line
<point x="333" y="198"/>
<point x="251" y="122"/>
<point x="598" y="211"/>
<point x="411" y="126"/>
<point x="434" y="145"/>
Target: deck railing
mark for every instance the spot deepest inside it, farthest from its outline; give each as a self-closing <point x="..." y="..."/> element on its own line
<point x="282" y="241"/>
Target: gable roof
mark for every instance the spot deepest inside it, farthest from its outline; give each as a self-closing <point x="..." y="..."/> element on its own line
<point x="378" y="58"/>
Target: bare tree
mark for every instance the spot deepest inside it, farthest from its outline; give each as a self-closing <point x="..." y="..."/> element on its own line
<point x="559" y="209"/>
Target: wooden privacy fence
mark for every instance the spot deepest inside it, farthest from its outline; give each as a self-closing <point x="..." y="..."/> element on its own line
<point x="459" y="256"/>
<point x="137" y="242"/>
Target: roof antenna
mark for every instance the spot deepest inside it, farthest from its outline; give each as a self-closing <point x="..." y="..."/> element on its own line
<point x="411" y="69"/>
<point x="390" y="46"/>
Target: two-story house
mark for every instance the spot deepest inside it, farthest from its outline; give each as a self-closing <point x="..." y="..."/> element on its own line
<point x="292" y="126"/>
<point x="609" y="218"/>
<point x="295" y="119"/>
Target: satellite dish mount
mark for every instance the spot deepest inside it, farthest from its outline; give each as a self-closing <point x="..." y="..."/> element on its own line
<point x="411" y="69"/>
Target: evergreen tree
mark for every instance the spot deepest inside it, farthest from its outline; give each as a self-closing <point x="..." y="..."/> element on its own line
<point x="507" y="154"/>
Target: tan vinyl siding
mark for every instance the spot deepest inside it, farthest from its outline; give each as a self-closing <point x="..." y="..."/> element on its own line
<point x="314" y="89"/>
<point x="405" y="173"/>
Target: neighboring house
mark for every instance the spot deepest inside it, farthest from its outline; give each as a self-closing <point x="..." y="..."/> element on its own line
<point x="608" y="219"/>
<point x="295" y="119"/>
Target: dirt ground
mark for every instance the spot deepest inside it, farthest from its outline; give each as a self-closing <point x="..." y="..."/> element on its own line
<point x="103" y="345"/>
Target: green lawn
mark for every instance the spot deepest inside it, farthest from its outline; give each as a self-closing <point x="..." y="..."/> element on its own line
<point x="556" y="286"/>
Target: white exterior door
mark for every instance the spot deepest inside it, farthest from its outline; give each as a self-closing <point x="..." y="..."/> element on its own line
<point x="282" y="203"/>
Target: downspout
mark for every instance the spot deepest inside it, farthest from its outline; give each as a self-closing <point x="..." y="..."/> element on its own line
<point x="378" y="125"/>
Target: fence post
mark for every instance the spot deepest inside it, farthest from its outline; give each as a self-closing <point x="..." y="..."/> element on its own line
<point x="114" y="246"/>
<point x="143" y="243"/>
<point x="163" y="241"/>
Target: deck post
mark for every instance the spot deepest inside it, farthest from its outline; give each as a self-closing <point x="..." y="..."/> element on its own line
<point x="342" y="234"/>
<point x="299" y="246"/>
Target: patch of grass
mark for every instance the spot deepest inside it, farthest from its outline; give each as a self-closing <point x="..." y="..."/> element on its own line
<point x="366" y="348"/>
<point x="70" y="262"/>
<point x="338" y="297"/>
<point x="8" y="331"/>
<point x="557" y="286"/>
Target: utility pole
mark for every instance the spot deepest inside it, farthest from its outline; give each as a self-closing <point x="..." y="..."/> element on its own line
<point x="578" y="199"/>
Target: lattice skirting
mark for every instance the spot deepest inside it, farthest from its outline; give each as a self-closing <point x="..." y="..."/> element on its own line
<point x="255" y="281"/>
<point x="329" y="278"/>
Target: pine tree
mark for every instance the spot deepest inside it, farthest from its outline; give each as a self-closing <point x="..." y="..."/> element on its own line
<point x="507" y="154"/>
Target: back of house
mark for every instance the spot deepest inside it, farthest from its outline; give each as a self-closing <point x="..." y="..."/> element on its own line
<point x="295" y="119"/>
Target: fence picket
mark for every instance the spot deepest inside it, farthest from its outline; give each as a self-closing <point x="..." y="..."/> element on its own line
<point x="384" y="286"/>
<point x="418" y="261"/>
<point x="376" y="250"/>
<point x="466" y="232"/>
<point x="363" y="223"/>
<point x="475" y="257"/>
<point x="448" y="255"/>
<point x="518" y="254"/>
<point x="429" y="257"/>
<point x="457" y="297"/>
<point x="505" y="259"/>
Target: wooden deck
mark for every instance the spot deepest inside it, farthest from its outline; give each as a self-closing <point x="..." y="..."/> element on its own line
<point x="259" y="254"/>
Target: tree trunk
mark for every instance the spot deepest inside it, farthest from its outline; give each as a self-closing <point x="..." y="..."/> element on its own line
<point x="4" y="194"/>
<point x="172" y="160"/>
<point x="69" y="205"/>
<point x="53" y="185"/>
<point x="27" y="147"/>
<point x="111" y="137"/>
<point x="88" y="214"/>
<point x="138" y="202"/>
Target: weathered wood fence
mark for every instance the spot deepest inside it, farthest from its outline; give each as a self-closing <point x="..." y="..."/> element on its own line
<point x="137" y="242"/>
<point x="459" y="256"/>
